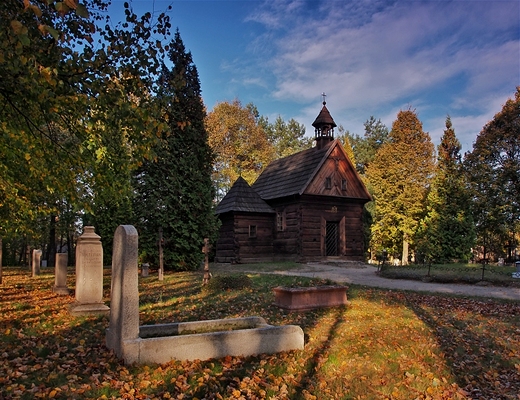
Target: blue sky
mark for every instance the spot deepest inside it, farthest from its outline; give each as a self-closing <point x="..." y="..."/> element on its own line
<point x="371" y="58"/>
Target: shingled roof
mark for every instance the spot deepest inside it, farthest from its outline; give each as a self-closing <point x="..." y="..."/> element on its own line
<point x="241" y="197"/>
<point x="324" y="118"/>
<point x="290" y="175"/>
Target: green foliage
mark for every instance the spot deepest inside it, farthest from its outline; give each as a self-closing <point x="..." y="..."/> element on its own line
<point x="286" y="137"/>
<point x="173" y="190"/>
<point x="229" y="282"/>
<point x="446" y="233"/>
<point x="346" y="139"/>
<point x="399" y="177"/>
<point x="76" y="114"/>
<point x="493" y="168"/>
<point x="365" y="147"/>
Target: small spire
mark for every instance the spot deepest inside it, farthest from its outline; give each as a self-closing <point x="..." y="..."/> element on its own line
<point x="323" y="95"/>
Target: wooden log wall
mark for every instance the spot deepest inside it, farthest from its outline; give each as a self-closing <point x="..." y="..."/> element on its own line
<point x="226" y="250"/>
<point x="258" y="247"/>
<point x="315" y="214"/>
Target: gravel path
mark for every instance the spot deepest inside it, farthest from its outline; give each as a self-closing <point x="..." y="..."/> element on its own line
<point x="364" y="274"/>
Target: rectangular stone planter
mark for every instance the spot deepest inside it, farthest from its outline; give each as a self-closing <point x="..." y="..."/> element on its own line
<point x="310" y="298"/>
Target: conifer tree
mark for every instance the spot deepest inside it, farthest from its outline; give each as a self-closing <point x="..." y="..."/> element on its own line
<point x="493" y="168"/>
<point x="447" y="232"/>
<point x="399" y="176"/>
<point x="174" y="190"/>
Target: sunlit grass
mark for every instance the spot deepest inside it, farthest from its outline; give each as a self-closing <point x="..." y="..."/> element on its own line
<point x="384" y="344"/>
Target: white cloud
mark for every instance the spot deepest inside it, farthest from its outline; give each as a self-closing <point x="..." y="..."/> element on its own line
<point x="378" y="57"/>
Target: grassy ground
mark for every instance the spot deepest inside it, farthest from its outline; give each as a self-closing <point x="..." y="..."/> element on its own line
<point x="384" y="344"/>
<point x="454" y="273"/>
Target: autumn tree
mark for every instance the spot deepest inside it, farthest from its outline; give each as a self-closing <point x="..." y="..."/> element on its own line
<point x="173" y="190"/>
<point x="493" y="168"/>
<point x="69" y="120"/>
<point x="240" y="144"/>
<point x="346" y="138"/>
<point x="399" y="177"/>
<point x="447" y="231"/>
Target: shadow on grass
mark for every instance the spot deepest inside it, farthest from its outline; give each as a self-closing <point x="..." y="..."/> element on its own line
<point x="474" y="336"/>
<point x="308" y="377"/>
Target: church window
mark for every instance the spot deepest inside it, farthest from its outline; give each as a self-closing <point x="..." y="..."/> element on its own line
<point x="343" y="184"/>
<point x="280" y="221"/>
<point x="328" y="183"/>
<point x="252" y="231"/>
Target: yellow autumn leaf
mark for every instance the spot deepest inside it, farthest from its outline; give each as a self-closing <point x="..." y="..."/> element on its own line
<point x="18" y="27"/>
<point x="71" y="4"/>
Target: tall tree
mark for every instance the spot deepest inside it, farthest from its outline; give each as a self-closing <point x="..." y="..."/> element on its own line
<point x="286" y="137"/>
<point x="69" y="123"/>
<point x="365" y="147"/>
<point x="240" y="144"/>
<point x="447" y="232"/>
<point x="400" y="176"/>
<point x="494" y="172"/>
<point x="346" y="139"/>
<point x="174" y="189"/>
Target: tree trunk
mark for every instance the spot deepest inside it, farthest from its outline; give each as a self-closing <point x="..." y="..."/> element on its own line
<point x="404" y="260"/>
<point x="51" y="250"/>
<point x="161" y="256"/>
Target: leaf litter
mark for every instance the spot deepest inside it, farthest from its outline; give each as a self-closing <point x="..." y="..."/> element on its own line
<point x="383" y="345"/>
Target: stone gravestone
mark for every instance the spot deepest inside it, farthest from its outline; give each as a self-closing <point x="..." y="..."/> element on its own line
<point x="36" y="260"/>
<point x="124" y="313"/>
<point x="60" y="274"/>
<point x="89" y="275"/>
<point x="145" y="270"/>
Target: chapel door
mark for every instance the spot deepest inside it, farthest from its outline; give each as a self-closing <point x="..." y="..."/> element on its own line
<point x="331" y="238"/>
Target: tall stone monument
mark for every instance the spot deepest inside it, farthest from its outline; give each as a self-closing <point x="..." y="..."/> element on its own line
<point x="89" y="275"/>
<point x="36" y="261"/>
<point x="60" y="274"/>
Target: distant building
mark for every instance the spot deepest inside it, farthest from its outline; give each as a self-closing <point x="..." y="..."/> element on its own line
<point x="307" y="206"/>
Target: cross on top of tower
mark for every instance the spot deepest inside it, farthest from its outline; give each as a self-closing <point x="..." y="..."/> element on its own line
<point x="323" y="95"/>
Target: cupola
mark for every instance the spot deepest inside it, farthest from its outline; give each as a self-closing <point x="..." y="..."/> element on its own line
<point x="323" y="126"/>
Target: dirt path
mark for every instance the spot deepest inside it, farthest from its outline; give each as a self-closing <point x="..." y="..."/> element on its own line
<point x="364" y="274"/>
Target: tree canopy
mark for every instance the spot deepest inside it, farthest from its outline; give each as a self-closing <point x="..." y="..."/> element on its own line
<point x="493" y="168"/>
<point x="173" y="190"/>
<point x="447" y="231"/>
<point x="77" y="109"/>
<point x="286" y="137"/>
<point x="400" y="176"/>
<point x="240" y="144"/>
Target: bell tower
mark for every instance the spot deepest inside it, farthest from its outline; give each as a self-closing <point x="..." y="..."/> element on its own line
<point x="323" y="126"/>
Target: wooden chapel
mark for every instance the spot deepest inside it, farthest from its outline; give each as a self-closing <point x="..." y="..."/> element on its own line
<point x="304" y="207"/>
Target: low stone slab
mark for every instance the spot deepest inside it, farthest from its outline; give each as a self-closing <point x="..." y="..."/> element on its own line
<point x="259" y="338"/>
<point x="78" y="309"/>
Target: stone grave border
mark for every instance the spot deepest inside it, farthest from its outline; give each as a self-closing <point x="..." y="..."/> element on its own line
<point x="165" y="342"/>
